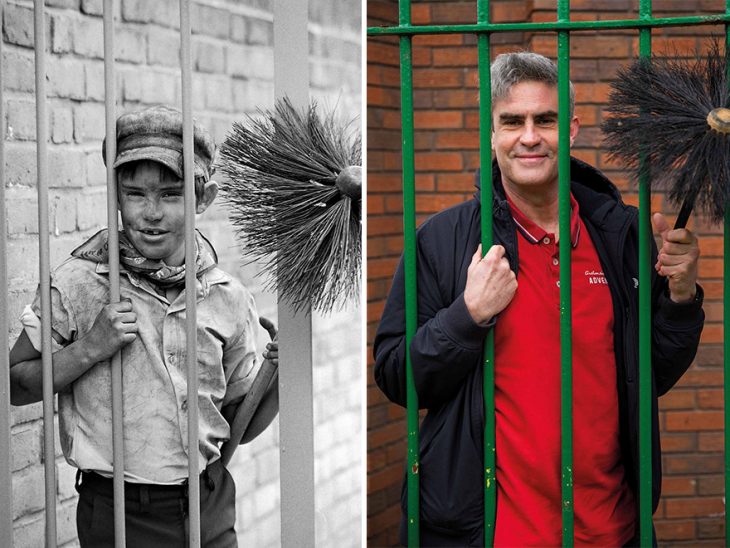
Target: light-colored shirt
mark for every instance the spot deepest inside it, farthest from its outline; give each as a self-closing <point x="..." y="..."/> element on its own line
<point x="154" y="371"/>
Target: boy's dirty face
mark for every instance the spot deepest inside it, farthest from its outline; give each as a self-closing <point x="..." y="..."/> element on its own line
<point x="153" y="215"/>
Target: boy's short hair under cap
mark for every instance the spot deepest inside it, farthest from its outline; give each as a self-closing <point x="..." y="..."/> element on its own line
<point x="156" y="134"/>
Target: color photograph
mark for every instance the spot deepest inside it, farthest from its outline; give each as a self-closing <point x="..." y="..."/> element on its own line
<point x="181" y="240"/>
<point x="523" y="392"/>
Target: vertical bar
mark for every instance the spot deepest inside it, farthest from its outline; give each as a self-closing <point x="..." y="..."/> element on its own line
<point x="409" y="252"/>
<point x="191" y="338"/>
<point x="485" y="180"/>
<point x="49" y="451"/>
<point x="566" y="343"/>
<point x="725" y="307"/>
<point x="6" y="512"/>
<point x="296" y="423"/>
<point x="726" y="352"/>
<point x="645" y="235"/>
<point x="114" y="294"/>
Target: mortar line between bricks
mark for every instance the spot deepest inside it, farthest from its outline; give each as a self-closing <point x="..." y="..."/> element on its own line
<point x="329" y="32"/>
<point x="156" y="69"/>
<point x="329" y="61"/>
<point x="239" y="10"/>
<point x="135" y="25"/>
<point x="27" y="519"/>
<point x="49" y="10"/>
<point x="87" y="147"/>
<point x="231" y="8"/>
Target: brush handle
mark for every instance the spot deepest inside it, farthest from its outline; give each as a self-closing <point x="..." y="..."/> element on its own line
<point x="684" y="212"/>
<point x="247" y="408"/>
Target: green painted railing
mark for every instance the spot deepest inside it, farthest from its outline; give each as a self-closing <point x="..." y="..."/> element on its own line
<point x="563" y="26"/>
<point x="409" y="237"/>
<point x="485" y="174"/>
<point x="645" y="235"/>
<point x="725" y="317"/>
<point x="548" y="26"/>
<point x="566" y="334"/>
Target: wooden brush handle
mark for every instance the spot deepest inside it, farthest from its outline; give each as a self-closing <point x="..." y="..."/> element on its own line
<point x="247" y="408"/>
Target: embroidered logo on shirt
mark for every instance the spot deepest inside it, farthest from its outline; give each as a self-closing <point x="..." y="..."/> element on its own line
<point x="595" y="277"/>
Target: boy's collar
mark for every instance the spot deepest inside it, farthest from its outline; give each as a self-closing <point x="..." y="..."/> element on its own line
<point x="203" y="284"/>
<point x="96" y="249"/>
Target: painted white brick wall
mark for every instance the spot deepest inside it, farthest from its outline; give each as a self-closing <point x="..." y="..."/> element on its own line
<point x="233" y="63"/>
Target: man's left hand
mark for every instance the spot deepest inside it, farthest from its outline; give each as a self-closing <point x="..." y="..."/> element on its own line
<point x="677" y="260"/>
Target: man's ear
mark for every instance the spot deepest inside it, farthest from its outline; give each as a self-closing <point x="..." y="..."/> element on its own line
<point x="210" y="191"/>
<point x="574" y="127"/>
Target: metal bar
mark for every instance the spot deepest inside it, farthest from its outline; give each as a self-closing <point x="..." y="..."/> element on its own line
<point x="486" y="194"/>
<point x="44" y="253"/>
<point x="726" y="352"/>
<point x="296" y="423"/>
<point x="6" y="512"/>
<point x="296" y="428"/>
<point x="566" y="328"/>
<point x="643" y="23"/>
<point x="645" y="236"/>
<point x="191" y="338"/>
<point x="725" y="308"/>
<point x="114" y="294"/>
<point x="409" y="258"/>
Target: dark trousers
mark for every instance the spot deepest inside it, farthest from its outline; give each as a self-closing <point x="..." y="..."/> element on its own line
<point x="157" y="515"/>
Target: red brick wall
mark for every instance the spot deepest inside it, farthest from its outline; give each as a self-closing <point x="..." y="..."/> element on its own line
<point x="446" y="140"/>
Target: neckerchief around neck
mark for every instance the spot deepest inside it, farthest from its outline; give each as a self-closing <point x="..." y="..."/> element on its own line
<point x="96" y="249"/>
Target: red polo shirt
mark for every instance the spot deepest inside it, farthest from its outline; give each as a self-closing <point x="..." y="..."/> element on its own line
<point x="527" y="399"/>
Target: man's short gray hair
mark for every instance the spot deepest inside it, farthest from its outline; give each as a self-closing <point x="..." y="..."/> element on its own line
<point x="509" y="69"/>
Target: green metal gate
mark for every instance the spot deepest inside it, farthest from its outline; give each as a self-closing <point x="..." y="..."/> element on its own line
<point x="563" y="26"/>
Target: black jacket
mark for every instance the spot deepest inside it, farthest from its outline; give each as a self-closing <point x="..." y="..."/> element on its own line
<point x="446" y="349"/>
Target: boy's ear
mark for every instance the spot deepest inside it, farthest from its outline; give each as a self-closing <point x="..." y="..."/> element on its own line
<point x="210" y="191"/>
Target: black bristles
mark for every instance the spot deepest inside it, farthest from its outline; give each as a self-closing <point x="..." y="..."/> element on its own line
<point x="659" y="111"/>
<point x="286" y="208"/>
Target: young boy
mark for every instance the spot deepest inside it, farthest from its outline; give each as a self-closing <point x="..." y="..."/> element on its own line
<point x="148" y="326"/>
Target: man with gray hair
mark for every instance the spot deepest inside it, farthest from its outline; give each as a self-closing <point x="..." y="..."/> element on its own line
<point x="463" y="293"/>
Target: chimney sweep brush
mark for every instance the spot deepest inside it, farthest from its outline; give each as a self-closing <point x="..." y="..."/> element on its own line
<point x="675" y="114"/>
<point x="294" y="196"/>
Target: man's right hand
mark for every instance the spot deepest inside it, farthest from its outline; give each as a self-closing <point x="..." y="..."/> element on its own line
<point x="490" y="284"/>
<point x="114" y="327"/>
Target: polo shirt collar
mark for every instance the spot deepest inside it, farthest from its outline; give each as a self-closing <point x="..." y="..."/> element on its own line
<point x="534" y="233"/>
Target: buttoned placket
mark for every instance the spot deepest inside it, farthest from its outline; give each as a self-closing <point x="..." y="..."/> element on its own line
<point x="172" y="338"/>
<point x="552" y="250"/>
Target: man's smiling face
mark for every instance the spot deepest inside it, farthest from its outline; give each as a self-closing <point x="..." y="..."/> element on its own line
<point x="525" y="139"/>
<point x="153" y="212"/>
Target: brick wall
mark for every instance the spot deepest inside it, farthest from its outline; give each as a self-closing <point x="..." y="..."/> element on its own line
<point x="233" y="75"/>
<point x="446" y="141"/>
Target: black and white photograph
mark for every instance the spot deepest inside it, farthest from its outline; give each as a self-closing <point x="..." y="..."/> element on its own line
<point x="181" y="273"/>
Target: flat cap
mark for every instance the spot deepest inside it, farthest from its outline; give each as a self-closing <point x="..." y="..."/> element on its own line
<point x="156" y="134"/>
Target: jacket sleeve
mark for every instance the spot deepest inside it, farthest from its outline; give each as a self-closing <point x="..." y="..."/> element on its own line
<point x="676" y="336"/>
<point x="447" y="344"/>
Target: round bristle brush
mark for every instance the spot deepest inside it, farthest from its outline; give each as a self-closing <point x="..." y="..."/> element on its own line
<point x="670" y="120"/>
<point x="294" y="196"/>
